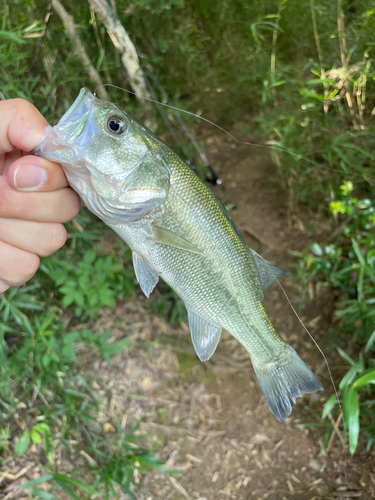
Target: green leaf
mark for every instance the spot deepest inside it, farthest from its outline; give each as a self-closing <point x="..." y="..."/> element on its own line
<point x="35" y="436"/>
<point x="66" y="488"/>
<point x="316" y="249"/>
<point x="348" y="378"/>
<point x="267" y="24"/>
<point x="42" y="427"/>
<point x="48" y="449"/>
<point x="79" y="298"/>
<point x="329" y="405"/>
<point x="278" y="83"/>
<point x="68" y="300"/>
<point x="370" y="342"/>
<point x="360" y="283"/>
<point x="360" y="150"/>
<point x="22" y="444"/>
<point x="8" y="35"/>
<point x="358" y="252"/>
<point x="75" y="482"/>
<point x="89" y="257"/>
<point x="71" y="337"/>
<point x="84" y="282"/>
<point x="106" y="297"/>
<point x="38" y="480"/>
<point x="46" y="361"/>
<point x="254" y="34"/>
<point x="346" y="357"/>
<point x="42" y="494"/>
<point x="368" y="378"/>
<point x="93" y="298"/>
<point x="69" y="352"/>
<point x="67" y="289"/>
<point x="351" y="412"/>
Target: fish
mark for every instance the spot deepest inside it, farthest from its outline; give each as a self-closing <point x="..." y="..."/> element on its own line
<point x="178" y="231"/>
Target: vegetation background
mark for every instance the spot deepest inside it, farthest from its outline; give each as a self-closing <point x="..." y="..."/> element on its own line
<point x="296" y="73"/>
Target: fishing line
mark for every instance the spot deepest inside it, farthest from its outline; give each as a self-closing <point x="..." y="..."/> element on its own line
<point x="327" y="365"/>
<point x="265" y="146"/>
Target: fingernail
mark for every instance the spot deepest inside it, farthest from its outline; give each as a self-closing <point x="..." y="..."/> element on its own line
<point x="29" y="177"/>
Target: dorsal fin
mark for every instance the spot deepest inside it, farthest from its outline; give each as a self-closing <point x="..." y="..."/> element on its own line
<point x="267" y="272"/>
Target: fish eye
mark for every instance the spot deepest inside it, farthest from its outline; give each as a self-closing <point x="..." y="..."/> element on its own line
<point x="116" y="125"/>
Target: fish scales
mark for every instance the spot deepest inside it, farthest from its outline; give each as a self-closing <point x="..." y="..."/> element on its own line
<point x="226" y="296"/>
<point x="179" y="231"/>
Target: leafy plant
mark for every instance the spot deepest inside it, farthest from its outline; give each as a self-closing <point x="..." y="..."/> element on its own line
<point x="93" y="283"/>
<point x="68" y="484"/>
<point x="34" y="435"/>
<point x="357" y="408"/>
<point x="113" y="461"/>
<point x="348" y="265"/>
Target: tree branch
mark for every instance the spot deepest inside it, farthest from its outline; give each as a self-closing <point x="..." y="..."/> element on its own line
<point x="124" y="45"/>
<point x="79" y="48"/>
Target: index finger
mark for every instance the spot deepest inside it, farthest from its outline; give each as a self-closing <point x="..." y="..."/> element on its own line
<point x="21" y="126"/>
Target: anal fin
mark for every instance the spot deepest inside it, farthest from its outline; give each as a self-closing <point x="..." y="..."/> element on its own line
<point x="205" y="337"/>
<point x="147" y="277"/>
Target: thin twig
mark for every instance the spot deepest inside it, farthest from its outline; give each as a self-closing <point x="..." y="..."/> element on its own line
<point x="344" y="60"/>
<point x="273" y="53"/>
<point x="40" y="44"/>
<point x="320" y="55"/>
<point x="335" y="431"/>
<point x="179" y="488"/>
<point x="341" y="30"/>
<point x="79" y="48"/>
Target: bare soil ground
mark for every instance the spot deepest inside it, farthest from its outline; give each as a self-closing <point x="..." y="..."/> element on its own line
<point x="209" y="420"/>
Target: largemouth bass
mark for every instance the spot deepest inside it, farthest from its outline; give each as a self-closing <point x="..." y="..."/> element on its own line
<point x="179" y="231"/>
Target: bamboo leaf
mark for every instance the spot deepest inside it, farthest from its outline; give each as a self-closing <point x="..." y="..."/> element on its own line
<point x="358" y="252"/>
<point x="38" y="480"/>
<point x="66" y="488"/>
<point x="42" y="494"/>
<point x="351" y="412"/>
<point x="329" y="405"/>
<point x="370" y="342"/>
<point x="368" y="378"/>
<point x="75" y="482"/>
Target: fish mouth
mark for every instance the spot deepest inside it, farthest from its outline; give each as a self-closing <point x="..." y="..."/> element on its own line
<point x="74" y="120"/>
<point x="75" y="127"/>
<point x="67" y="139"/>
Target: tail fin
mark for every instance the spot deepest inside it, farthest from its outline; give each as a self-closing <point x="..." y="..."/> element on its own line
<point x="282" y="379"/>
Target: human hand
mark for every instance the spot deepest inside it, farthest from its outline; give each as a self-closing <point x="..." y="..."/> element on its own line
<point x="34" y="195"/>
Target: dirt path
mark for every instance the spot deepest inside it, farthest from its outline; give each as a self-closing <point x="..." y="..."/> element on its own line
<point x="210" y="419"/>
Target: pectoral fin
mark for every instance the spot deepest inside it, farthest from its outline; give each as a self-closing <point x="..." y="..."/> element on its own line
<point x="147" y="277"/>
<point x="205" y="337"/>
<point x="167" y="237"/>
<point x="267" y="272"/>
